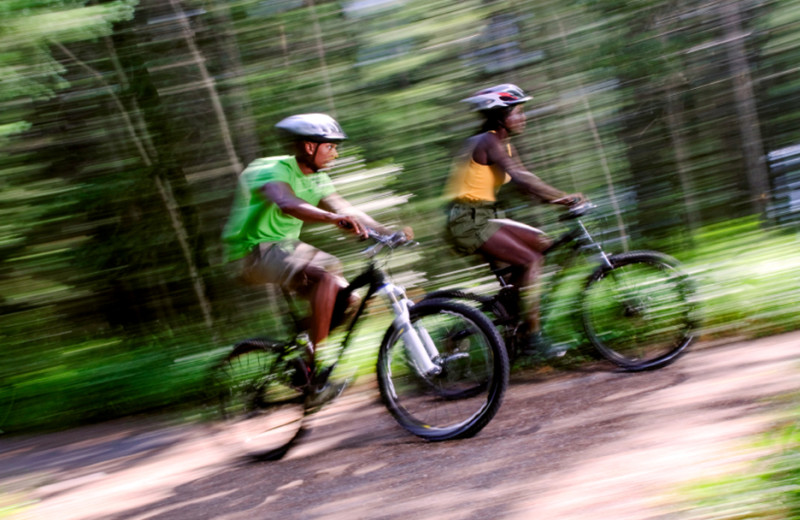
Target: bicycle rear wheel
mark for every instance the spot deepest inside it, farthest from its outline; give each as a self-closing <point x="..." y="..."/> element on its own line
<point x="463" y="398"/>
<point x="260" y="398"/>
<point x="639" y="313"/>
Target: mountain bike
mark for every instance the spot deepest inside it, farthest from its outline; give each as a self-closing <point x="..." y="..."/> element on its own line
<point x="637" y="308"/>
<point x="442" y="368"/>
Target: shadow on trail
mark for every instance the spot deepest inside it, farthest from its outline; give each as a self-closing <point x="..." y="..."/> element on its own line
<point x="359" y="463"/>
<point x="92" y="446"/>
<point x="605" y="437"/>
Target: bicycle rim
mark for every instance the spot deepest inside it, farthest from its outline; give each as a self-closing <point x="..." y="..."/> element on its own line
<point x="640" y="313"/>
<point x="259" y="410"/>
<point x="467" y="393"/>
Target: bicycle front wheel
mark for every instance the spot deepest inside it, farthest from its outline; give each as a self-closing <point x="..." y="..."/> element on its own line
<point x="467" y="392"/>
<point x="639" y="313"/>
<point x="260" y="396"/>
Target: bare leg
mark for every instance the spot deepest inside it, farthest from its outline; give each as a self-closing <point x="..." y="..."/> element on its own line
<point x="323" y="299"/>
<point x="518" y="245"/>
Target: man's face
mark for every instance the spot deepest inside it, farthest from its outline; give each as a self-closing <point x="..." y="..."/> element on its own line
<point x="321" y="154"/>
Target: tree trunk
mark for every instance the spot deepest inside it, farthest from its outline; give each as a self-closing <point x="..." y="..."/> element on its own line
<point x="229" y="59"/>
<point x="208" y="81"/>
<point x="151" y="157"/>
<point x="676" y="125"/>
<point x="749" y="126"/>
<point x="323" y="63"/>
<point x="612" y="195"/>
<point x="675" y="122"/>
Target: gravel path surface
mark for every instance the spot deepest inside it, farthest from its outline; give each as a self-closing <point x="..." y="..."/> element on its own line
<point x="592" y="444"/>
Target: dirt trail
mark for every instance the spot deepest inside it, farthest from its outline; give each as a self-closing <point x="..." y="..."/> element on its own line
<point x="591" y="444"/>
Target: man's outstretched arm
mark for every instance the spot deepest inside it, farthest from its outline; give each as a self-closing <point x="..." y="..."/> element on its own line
<point x="338" y="204"/>
<point x="284" y="197"/>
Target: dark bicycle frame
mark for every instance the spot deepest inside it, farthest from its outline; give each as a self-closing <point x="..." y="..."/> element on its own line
<point x="372" y="277"/>
<point x="504" y="304"/>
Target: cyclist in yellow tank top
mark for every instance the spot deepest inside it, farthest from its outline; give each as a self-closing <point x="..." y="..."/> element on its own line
<point x="487" y="162"/>
<point x="475" y="182"/>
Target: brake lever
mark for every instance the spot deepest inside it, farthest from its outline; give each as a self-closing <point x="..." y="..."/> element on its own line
<point x="577" y="211"/>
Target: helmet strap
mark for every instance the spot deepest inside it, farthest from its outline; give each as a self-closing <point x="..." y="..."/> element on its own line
<point x="496" y="119"/>
<point x="309" y="159"/>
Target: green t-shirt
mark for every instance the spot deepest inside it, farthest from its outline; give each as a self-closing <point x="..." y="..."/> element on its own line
<point x="255" y="219"/>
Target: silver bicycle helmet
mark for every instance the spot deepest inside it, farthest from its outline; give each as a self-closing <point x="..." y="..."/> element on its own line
<point x="499" y="96"/>
<point x="313" y="127"/>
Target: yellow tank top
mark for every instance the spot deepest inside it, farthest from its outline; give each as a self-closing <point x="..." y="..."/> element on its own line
<point x="471" y="181"/>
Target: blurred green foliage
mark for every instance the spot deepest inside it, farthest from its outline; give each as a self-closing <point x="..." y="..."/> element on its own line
<point x="124" y="125"/>
<point x="767" y="490"/>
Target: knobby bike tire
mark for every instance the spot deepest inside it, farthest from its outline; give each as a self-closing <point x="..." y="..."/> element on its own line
<point x="462" y="400"/>
<point x="259" y="398"/>
<point x="639" y="313"/>
<point x="507" y="323"/>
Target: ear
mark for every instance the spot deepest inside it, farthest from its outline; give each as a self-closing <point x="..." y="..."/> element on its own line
<point x="309" y="147"/>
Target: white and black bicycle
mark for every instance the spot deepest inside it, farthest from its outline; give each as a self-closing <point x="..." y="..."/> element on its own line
<point x="442" y="369"/>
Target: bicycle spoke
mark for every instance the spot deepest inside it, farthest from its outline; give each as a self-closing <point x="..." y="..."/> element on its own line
<point x="639" y="314"/>
<point x="259" y="408"/>
<point x="459" y="400"/>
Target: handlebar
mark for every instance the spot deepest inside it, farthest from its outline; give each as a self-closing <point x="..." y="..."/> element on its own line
<point x="392" y="241"/>
<point x="577" y="211"/>
<point x="398" y="238"/>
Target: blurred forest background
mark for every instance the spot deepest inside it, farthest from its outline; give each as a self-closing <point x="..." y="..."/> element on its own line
<point x="125" y="123"/>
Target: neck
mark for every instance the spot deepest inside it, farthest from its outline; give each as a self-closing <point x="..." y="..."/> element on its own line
<point x="305" y="164"/>
<point x="496" y="127"/>
<point x="501" y="132"/>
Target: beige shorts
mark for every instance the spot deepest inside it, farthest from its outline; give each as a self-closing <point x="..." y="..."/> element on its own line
<point x="292" y="264"/>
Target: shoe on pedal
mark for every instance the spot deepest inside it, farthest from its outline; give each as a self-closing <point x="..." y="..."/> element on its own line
<point x="324" y="394"/>
<point x="541" y="348"/>
<point x="321" y="378"/>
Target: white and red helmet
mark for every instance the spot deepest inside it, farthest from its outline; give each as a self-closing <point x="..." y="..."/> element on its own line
<point x="499" y="96"/>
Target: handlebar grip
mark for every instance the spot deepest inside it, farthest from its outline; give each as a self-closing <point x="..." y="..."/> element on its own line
<point x="577" y="211"/>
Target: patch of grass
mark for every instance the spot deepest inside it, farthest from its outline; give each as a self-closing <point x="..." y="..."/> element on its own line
<point x="770" y="489"/>
<point x="13" y="505"/>
<point x="747" y="282"/>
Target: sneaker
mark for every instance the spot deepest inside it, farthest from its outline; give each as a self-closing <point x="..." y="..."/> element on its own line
<point x="320" y="379"/>
<point x="539" y="347"/>
<point x="324" y="395"/>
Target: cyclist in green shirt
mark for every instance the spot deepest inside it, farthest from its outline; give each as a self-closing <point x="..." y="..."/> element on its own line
<point x="275" y="197"/>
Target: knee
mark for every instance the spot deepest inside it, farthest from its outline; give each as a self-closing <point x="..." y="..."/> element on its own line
<point x="327" y="282"/>
<point x="532" y="260"/>
<point x="537" y="259"/>
<point x="316" y="280"/>
<point x="529" y="255"/>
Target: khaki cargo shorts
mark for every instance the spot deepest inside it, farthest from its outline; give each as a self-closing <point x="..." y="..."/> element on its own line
<point x="469" y="225"/>
<point x="291" y="264"/>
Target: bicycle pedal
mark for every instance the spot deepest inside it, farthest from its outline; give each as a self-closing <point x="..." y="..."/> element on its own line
<point x="320" y="379"/>
<point x="319" y="398"/>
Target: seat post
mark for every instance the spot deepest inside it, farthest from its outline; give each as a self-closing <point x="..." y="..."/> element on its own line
<point x="502" y="273"/>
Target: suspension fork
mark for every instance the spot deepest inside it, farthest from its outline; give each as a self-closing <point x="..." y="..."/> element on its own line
<point x="577" y="237"/>
<point x="417" y="340"/>
<point x="586" y="239"/>
<point x="631" y="299"/>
